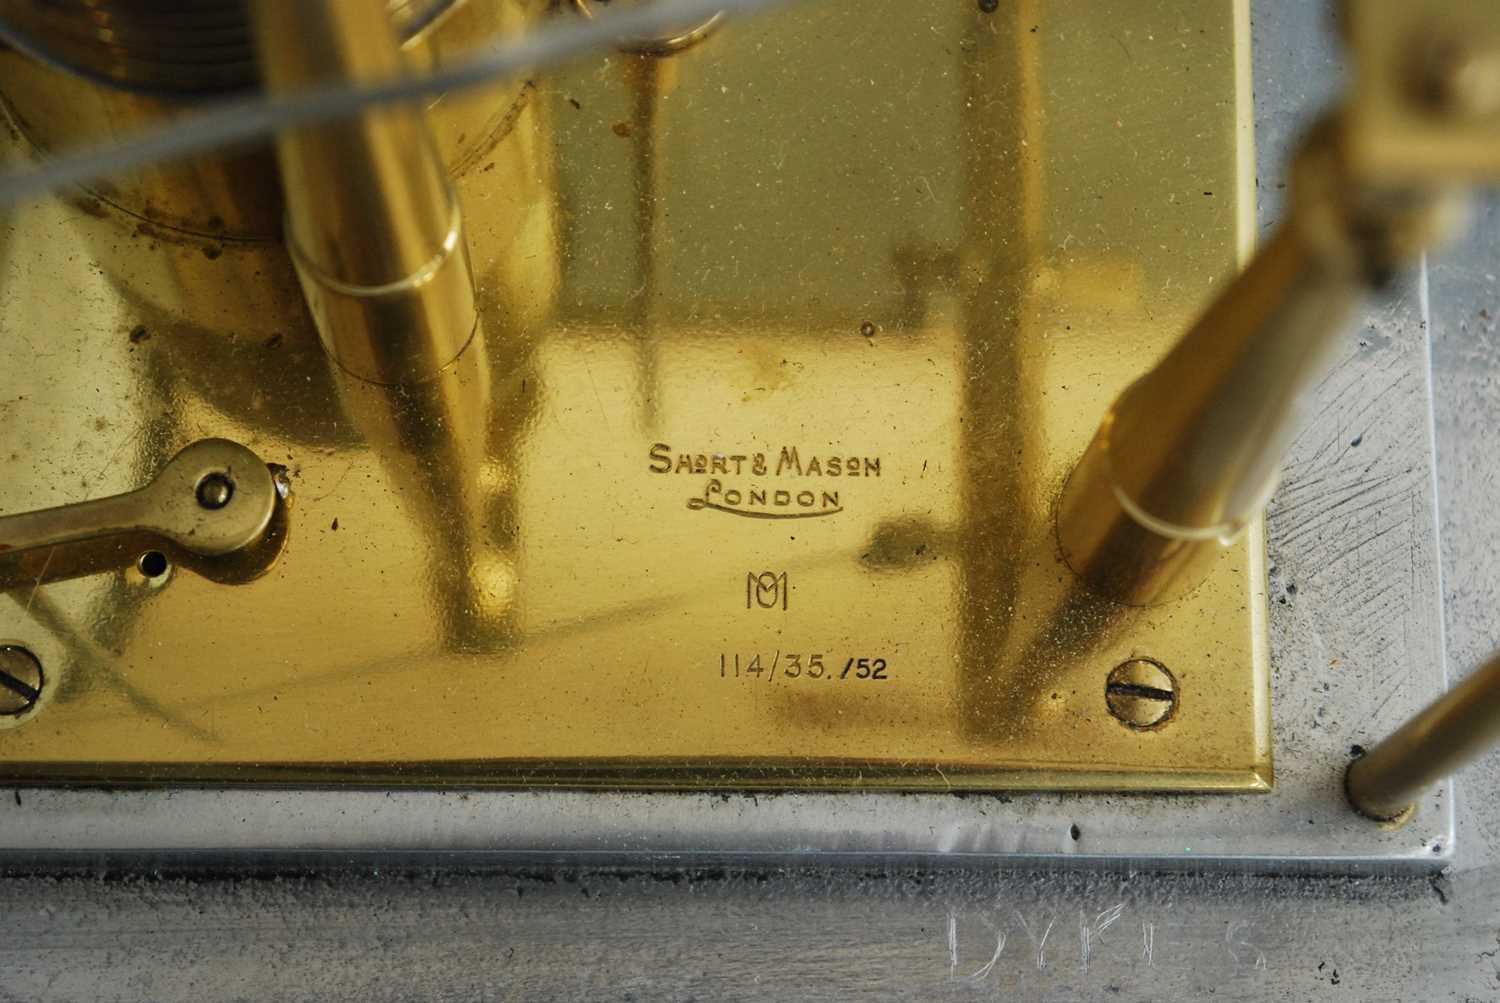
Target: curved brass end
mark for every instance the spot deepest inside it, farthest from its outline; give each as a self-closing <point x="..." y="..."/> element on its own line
<point x="680" y="37"/>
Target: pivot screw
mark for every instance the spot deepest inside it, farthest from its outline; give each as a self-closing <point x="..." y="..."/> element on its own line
<point x="214" y="491"/>
<point x="20" y="680"/>
<point x="1141" y="694"/>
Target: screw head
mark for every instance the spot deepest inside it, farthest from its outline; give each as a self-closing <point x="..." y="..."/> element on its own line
<point x="20" y="680"/>
<point x="214" y="491"/>
<point x="1141" y="693"/>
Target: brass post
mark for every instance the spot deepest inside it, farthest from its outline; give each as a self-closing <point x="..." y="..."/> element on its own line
<point x="1188" y="454"/>
<point x="373" y="225"/>
<point x="1455" y="728"/>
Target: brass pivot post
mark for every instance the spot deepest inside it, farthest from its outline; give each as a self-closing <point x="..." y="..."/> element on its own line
<point x="373" y="224"/>
<point x="1188" y="454"/>
<point x="1449" y="732"/>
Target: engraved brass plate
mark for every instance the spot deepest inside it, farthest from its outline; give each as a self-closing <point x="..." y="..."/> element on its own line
<point x="789" y="341"/>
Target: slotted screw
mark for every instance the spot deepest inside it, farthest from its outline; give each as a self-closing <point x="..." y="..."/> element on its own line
<point x="1141" y="693"/>
<point x="20" y="680"/>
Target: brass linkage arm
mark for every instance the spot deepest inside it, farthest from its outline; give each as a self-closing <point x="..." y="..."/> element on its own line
<point x="212" y="500"/>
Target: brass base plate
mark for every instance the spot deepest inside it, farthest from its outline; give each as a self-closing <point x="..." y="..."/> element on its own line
<point x="788" y="342"/>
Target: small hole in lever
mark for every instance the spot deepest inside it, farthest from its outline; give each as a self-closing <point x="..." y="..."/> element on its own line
<point x="153" y="564"/>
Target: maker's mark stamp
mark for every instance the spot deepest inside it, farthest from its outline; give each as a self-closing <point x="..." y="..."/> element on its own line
<point x="763" y="485"/>
<point x="767" y="590"/>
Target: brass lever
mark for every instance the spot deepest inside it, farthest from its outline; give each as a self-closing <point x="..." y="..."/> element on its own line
<point x="213" y="498"/>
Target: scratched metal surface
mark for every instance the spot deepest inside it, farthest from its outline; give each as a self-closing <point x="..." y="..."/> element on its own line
<point x="952" y="933"/>
<point x="801" y="935"/>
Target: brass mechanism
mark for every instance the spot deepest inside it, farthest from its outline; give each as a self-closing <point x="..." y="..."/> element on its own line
<point x="742" y="461"/>
<point x="714" y="477"/>
<point x="373" y="224"/>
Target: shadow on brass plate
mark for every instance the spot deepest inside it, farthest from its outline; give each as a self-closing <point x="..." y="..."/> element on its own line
<point x="891" y="277"/>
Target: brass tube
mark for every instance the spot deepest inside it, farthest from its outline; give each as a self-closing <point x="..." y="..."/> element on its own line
<point x="1188" y="455"/>
<point x="1452" y="730"/>
<point x="373" y="224"/>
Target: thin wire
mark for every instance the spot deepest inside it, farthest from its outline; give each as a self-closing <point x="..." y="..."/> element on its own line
<point x="234" y="122"/>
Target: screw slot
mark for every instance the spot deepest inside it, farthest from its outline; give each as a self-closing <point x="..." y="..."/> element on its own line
<point x="215" y="490"/>
<point x="1141" y="694"/>
<point x="20" y="680"/>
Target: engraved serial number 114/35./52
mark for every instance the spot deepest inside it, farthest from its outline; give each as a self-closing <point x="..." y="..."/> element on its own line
<point x="792" y="665"/>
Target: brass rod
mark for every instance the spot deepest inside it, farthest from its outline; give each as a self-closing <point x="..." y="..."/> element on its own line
<point x="1187" y="456"/>
<point x="1454" y="729"/>
<point x="373" y="224"/>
